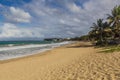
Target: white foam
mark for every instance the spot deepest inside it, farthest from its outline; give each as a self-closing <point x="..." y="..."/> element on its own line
<point x="25" y="50"/>
<point x="32" y="46"/>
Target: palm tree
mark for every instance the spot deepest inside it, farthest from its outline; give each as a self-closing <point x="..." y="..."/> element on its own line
<point x="108" y="34"/>
<point x="114" y="20"/>
<point x="101" y="32"/>
<point x="97" y="30"/>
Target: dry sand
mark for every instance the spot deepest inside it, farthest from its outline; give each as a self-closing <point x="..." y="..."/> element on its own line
<point x="78" y="61"/>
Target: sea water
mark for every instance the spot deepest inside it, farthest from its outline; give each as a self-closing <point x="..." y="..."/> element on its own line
<point x="15" y="49"/>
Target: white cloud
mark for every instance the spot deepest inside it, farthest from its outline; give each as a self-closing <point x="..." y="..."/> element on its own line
<point x="72" y="17"/>
<point x="73" y="7"/>
<point x="62" y="21"/>
<point x="9" y="30"/>
<point x="0" y="5"/>
<point x="57" y="18"/>
<point x="18" y="15"/>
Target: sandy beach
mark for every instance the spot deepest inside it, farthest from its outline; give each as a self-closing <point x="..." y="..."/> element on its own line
<point x="79" y="61"/>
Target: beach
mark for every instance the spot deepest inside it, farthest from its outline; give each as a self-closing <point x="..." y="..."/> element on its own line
<point x="78" y="61"/>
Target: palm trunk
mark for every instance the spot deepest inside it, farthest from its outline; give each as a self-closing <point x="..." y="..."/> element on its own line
<point x="101" y="36"/>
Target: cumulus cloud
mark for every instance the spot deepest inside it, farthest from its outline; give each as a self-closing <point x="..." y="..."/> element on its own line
<point x="56" y="18"/>
<point x="74" y="8"/>
<point x="68" y="16"/>
<point x="9" y="30"/>
<point x="18" y="15"/>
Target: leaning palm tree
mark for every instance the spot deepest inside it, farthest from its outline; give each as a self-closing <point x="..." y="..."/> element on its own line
<point x="114" y="17"/>
<point x="114" y="20"/>
<point x="97" y="31"/>
<point x="101" y="32"/>
<point x="108" y="34"/>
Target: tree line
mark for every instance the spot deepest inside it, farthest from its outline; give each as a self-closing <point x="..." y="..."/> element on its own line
<point x="106" y="32"/>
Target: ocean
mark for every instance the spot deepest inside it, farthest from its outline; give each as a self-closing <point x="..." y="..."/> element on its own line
<point x="15" y="49"/>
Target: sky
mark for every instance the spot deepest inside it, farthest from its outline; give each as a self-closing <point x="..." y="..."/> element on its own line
<point x="39" y="19"/>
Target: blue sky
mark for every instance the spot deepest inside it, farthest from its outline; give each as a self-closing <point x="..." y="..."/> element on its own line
<point x="38" y="19"/>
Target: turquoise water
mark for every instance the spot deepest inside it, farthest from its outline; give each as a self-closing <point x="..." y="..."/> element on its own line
<point x="15" y="49"/>
<point x="16" y="43"/>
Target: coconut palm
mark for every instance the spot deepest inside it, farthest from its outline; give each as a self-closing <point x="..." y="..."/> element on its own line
<point x="114" y="17"/>
<point x="101" y="32"/>
<point x="114" y="20"/>
<point x="97" y="30"/>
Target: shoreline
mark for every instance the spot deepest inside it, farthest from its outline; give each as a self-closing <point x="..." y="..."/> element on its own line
<point x="34" y="54"/>
<point x="41" y="51"/>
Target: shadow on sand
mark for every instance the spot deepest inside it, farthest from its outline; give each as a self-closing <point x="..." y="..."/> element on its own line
<point x="81" y="45"/>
